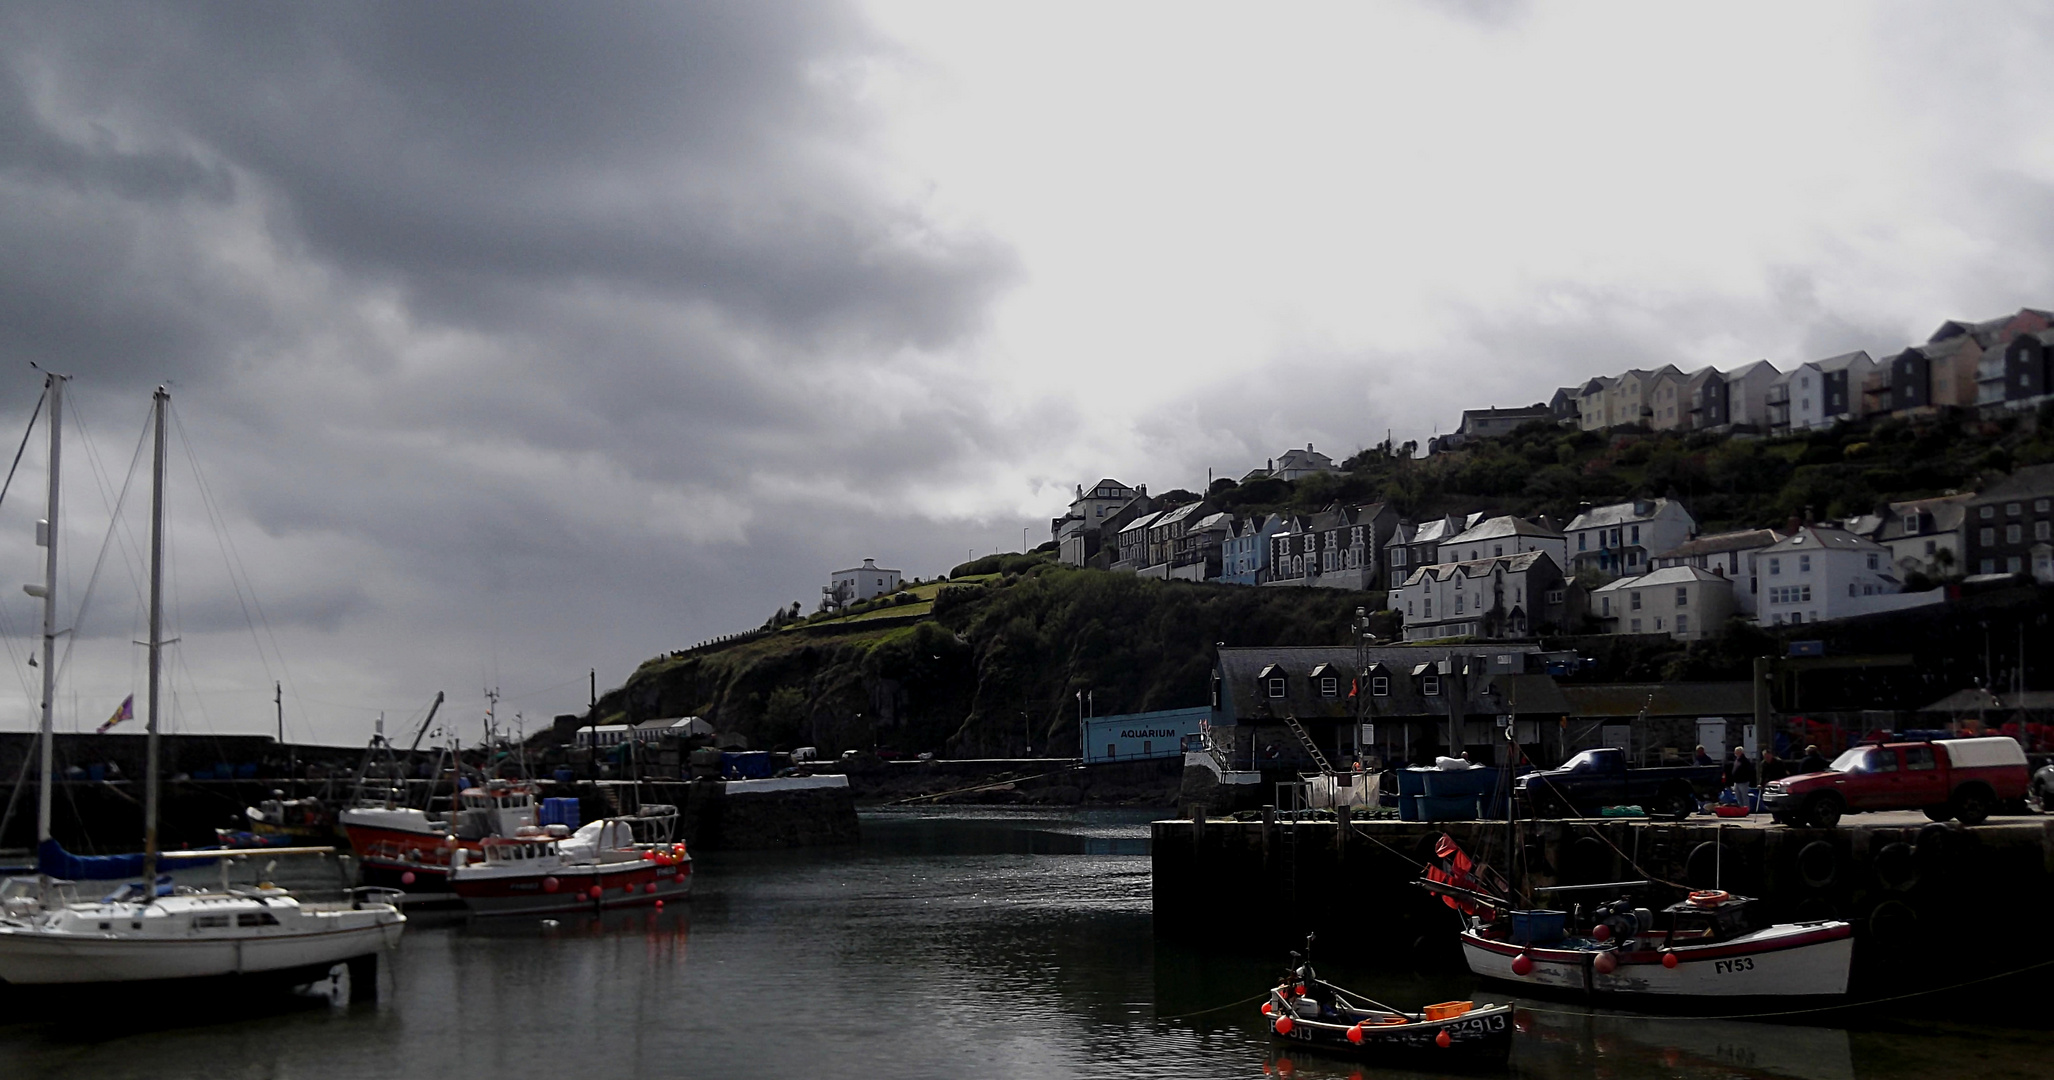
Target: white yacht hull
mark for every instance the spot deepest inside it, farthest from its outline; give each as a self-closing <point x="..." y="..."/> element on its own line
<point x="1800" y="960"/>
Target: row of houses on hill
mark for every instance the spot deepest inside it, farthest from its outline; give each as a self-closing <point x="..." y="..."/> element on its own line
<point x="1993" y="365"/>
<point x="1635" y="567"/>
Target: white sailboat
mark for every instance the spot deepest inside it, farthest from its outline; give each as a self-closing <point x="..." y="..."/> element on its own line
<point x="150" y="930"/>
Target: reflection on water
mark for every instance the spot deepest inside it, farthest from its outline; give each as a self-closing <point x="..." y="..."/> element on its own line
<point x="983" y="943"/>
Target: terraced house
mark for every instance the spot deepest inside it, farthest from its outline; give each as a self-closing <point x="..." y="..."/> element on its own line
<point x="1503" y="597"/>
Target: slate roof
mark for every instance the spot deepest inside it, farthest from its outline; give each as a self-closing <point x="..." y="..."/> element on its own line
<point x="1141" y="522"/>
<point x="1505" y="525"/>
<point x="1837" y="363"/>
<point x="1947" y="511"/>
<point x="1600" y="517"/>
<point x="1721" y="543"/>
<point x="1668" y="575"/>
<point x="1818" y="538"/>
<point x="1479" y="568"/>
<point x="1244" y="673"/>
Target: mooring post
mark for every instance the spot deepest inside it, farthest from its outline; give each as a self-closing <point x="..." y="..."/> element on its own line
<point x="1269" y="823"/>
<point x="1197" y="825"/>
<point x="1343" y="816"/>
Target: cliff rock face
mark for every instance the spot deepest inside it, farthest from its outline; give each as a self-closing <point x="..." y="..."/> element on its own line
<point x="995" y="669"/>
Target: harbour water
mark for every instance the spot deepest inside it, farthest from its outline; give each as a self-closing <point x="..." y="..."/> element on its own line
<point x="950" y="943"/>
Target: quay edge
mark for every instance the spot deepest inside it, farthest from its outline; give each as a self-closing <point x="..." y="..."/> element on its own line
<point x="1931" y="904"/>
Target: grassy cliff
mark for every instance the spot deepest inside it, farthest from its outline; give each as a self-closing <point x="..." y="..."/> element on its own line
<point x="995" y="662"/>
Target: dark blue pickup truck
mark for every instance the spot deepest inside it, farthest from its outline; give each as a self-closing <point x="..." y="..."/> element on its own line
<point x="1598" y="778"/>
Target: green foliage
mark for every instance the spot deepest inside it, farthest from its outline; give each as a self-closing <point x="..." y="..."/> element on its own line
<point x="1008" y="562"/>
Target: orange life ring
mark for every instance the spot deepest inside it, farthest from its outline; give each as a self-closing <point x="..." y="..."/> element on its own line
<point x="1709" y="897"/>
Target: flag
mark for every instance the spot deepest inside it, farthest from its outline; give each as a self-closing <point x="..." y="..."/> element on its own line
<point x="1354" y="687"/>
<point x="126" y="712"/>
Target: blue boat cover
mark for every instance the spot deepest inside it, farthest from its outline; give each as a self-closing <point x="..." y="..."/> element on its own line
<point x="52" y="859"/>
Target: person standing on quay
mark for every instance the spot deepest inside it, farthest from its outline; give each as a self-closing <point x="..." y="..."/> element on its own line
<point x="1741" y="774"/>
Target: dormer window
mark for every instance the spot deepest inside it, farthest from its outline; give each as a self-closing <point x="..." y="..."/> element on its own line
<point x="1276" y="687"/>
<point x="1329" y="686"/>
<point x="1430" y="686"/>
<point x="1380" y="686"/>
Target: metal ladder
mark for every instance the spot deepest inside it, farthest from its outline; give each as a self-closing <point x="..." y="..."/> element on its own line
<point x="1311" y="747"/>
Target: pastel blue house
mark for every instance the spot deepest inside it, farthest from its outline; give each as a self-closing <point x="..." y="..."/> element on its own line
<point x="1244" y="557"/>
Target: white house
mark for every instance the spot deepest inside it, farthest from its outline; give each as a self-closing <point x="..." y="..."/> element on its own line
<point x="1505" y="535"/>
<point x="1684" y="602"/>
<point x="1731" y="554"/>
<point x="861" y="583"/>
<point x="1294" y="463"/>
<point x="1818" y="573"/>
<point x="1621" y="539"/>
<point x="1509" y="596"/>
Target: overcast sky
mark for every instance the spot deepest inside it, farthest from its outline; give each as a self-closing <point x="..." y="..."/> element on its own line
<point x="514" y="340"/>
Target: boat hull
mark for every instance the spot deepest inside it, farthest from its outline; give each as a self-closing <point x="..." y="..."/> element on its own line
<point x="1795" y="961"/>
<point x="1479" y="1039"/>
<point x="486" y="892"/>
<point x="32" y="957"/>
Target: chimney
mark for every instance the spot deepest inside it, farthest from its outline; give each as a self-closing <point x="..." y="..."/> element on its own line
<point x="1790" y="527"/>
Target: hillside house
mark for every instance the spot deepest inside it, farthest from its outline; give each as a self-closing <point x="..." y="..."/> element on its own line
<point x="1620" y="539"/>
<point x="2008" y="520"/>
<point x="1684" y="602"/>
<point x="1820" y="573"/>
<point x="1077" y="533"/>
<point x="1245" y="552"/>
<point x="1730" y="554"/>
<point x="1504" y="535"/>
<point x="1504" y="597"/>
<point x="859" y="583"/>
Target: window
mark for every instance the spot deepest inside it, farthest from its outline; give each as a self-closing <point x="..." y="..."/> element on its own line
<point x="1429" y="605"/>
<point x="1989" y="566"/>
<point x="2011" y="509"/>
<point x="1851" y="589"/>
<point x="1497" y="550"/>
<point x="1872" y="560"/>
<point x="1919" y="759"/>
<point x="210" y="922"/>
<point x="1987" y="535"/>
<point x="1430" y="686"/>
<point x="1797" y="618"/>
<point x="2040" y="530"/>
<point x="2013" y="533"/>
<point x="1635" y="602"/>
<point x="1582" y="541"/>
<point x="1775" y="565"/>
<point x="1555" y="596"/>
<point x="1682" y="596"/>
<point x="1911" y="523"/>
<point x="2040" y="506"/>
<point x="1636" y="626"/>
<point x="1658" y="624"/>
<point x="1932" y="547"/>
<point x="1606" y="604"/>
<point x="1329" y="686"/>
<point x="1458" y="604"/>
<point x="1683" y="624"/>
<point x="1804" y="594"/>
<point x="1276" y="688"/>
<point x="256" y="918"/>
<point x="2013" y="565"/>
<point x="1380" y="686"/>
<point x="1988" y="512"/>
<point x="1804" y="564"/>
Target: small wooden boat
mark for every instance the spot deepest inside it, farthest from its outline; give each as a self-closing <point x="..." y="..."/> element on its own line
<point x="1306" y="1012"/>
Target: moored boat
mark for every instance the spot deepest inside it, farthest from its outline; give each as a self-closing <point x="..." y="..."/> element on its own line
<point x="1304" y="1011"/>
<point x="1710" y="946"/>
<point x="602" y="865"/>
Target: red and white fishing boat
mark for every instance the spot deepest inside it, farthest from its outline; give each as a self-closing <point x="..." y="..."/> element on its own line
<point x="602" y="865"/>
<point x="1710" y="946"/>
<point x="401" y="847"/>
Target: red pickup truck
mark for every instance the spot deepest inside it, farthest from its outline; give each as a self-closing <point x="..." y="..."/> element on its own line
<point x="1951" y="778"/>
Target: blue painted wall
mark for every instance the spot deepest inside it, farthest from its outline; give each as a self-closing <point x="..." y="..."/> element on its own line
<point x="1140" y="736"/>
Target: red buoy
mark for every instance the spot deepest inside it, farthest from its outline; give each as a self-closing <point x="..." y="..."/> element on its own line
<point x="1268" y="1008"/>
<point x="649" y="888"/>
<point x="1601" y="932"/>
<point x="549" y="884"/>
<point x="1443" y="1041"/>
<point x="1355" y="1034"/>
<point x="1522" y="965"/>
<point x="680" y="878"/>
<point x="596" y="890"/>
<point x="407" y="878"/>
<point x="1604" y="963"/>
<point x="1669" y="960"/>
<point x="1299" y="989"/>
<point x="1284" y="1025"/>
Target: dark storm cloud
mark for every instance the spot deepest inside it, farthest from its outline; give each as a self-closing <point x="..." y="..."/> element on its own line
<point x="499" y="323"/>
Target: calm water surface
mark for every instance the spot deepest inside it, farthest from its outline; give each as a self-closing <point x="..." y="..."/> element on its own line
<point x="986" y="944"/>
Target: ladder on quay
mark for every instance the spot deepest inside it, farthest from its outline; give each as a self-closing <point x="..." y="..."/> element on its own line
<point x="1311" y="747"/>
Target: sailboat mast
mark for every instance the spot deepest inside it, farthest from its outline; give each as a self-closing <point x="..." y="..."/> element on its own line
<point x="156" y="641"/>
<point x="46" y="534"/>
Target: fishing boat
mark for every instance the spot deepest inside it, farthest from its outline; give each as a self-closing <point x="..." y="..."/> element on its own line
<point x="1711" y="946"/>
<point x="151" y="930"/>
<point x="1304" y="1011"/>
<point x="402" y="847"/>
<point x="609" y="863"/>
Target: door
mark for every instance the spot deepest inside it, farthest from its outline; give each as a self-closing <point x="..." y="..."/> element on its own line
<point x="1711" y="734"/>
<point x="1923" y="783"/>
<point x="1880" y="784"/>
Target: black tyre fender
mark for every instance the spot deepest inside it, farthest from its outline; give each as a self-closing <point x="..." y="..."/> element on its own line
<point x="1703" y="868"/>
<point x="2037" y="798"/>
<point x="1939" y="813"/>
<point x="1973" y="803"/>
<point x="1892" y="922"/>
<point x="1897" y="867"/>
<point x="1823" y="810"/>
<point x="1818" y="865"/>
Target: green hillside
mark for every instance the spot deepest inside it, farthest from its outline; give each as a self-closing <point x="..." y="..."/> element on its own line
<point x="999" y="661"/>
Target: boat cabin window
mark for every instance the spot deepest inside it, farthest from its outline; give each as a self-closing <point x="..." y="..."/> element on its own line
<point x="256" y="918"/>
<point x="210" y="922"/>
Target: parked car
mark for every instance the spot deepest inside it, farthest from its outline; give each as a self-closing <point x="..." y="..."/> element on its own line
<point x="2039" y="795"/>
<point x="1949" y="778"/>
<point x="1597" y="778"/>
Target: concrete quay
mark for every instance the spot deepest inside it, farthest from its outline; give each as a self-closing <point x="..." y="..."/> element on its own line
<point x="1930" y="903"/>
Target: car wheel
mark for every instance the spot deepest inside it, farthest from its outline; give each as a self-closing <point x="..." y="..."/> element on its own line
<point x="2036" y="798"/>
<point x="1938" y="813"/>
<point x="1972" y="807"/>
<point x="1781" y="818"/>
<point x="1675" y="802"/>
<point x="1822" y="812"/>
